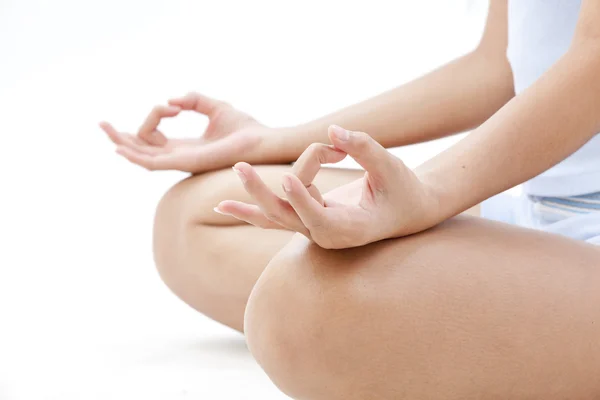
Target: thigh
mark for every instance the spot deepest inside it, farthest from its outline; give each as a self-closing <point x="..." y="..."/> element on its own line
<point x="211" y="261"/>
<point x="197" y="195"/>
<point x="471" y="309"/>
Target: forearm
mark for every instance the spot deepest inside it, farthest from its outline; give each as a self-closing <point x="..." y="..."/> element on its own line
<point x="454" y="98"/>
<point x="534" y="131"/>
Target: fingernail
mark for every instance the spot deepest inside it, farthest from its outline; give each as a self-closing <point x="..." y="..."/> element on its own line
<point x="216" y="209"/>
<point x="340" y="133"/>
<point x="240" y="174"/>
<point x="287" y="184"/>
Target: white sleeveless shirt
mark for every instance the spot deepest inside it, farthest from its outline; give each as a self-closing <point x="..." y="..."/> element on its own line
<point x="540" y="32"/>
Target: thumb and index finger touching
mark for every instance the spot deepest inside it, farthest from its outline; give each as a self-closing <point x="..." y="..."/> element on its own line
<point x="196" y="102"/>
<point x="365" y="150"/>
<point x="149" y="132"/>
<point x="190" y="102"/>
<point x="373" y="157"/>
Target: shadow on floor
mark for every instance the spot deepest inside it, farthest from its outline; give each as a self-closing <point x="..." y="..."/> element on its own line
<point x="231" y="345"/>
<point x="214" y="351"/>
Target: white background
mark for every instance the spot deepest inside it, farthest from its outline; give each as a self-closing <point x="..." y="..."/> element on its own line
<point x="83" y="315"/>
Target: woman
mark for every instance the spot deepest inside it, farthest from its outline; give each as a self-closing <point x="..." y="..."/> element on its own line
<point x="447" y="307"/>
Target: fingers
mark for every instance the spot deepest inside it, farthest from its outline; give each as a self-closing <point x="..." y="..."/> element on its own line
<point x="273" y="207"/>
<point x="309" y="163"/>
<point x="373" y="157"/>
<point x="143" y="160"/>
<point x="116" y="137"/>
<point x="149" y="130"/>
<point x="196" y="102"/>
<point x="153" y="162"/>
<point x="125" y="139"/>
<point x="310" y="211"/>
<point x="192" y="159"/>
<point x="314" y="192"/>
<point x="119" y="138"/>
<point x="249" y="213"/>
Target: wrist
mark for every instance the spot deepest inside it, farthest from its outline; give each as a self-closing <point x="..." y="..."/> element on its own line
<point x="274" y="146"/>
<point x="283" y="144"/>
<point x="439" y="200"/>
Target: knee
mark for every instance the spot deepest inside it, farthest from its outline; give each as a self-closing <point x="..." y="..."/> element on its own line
<point x="333" y="324"/>
<point x="183" y="209"/>
<point x="172" y="220"/>
<point x="293" y="321"/>
<point x="276" y="323"/>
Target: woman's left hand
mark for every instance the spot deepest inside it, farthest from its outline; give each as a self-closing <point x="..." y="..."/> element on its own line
<point x="389" y="201"/>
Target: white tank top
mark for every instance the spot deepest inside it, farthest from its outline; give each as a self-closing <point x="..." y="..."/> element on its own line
<point x="540" y="32"/>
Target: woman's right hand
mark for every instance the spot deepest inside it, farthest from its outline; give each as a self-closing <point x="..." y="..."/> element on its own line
<point x="231" y="136"/>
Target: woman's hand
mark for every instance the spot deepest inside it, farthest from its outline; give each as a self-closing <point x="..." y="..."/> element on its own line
<point x="389" y="201"/>
<point x="231" y="136"/>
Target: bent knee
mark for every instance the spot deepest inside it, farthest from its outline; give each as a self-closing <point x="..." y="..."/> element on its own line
<point x="280" y="321"/>
<point x="194" y="198"/>
<point x="333" y="324"/>
<point x="172" y="219"/>
<point x="309" y="312"/>
<point x="328" y="324"/>
<point x="184" y="206"/>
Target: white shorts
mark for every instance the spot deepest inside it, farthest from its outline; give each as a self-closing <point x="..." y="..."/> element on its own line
<point x="577" y="217"/>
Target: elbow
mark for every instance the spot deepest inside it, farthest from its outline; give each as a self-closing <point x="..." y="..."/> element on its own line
<point x="494" y="60"/>
<point x="497" y="82"/>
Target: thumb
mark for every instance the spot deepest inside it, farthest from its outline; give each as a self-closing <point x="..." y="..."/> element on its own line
<point x="372" y="156"/>
<point x="194" y="101"/>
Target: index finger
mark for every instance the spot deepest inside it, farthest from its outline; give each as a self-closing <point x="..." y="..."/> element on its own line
<point x="310" y="161"/>
<point x="149" y="132"/>
<point x="196" y="102"/>
<point x="309" y="210"/>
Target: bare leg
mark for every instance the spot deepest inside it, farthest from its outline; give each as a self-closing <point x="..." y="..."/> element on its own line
<point x="212" y="261"/>
<point x="471" y="309"/>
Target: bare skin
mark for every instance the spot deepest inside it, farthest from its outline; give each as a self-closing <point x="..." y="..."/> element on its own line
<point x="198" y="252"/>
<point x="511" y="321"/>
<point x="467" y="309"/>
<point x="212" y="261"/>
<point x="209" y="277"/>
<point x="471" y="309"/>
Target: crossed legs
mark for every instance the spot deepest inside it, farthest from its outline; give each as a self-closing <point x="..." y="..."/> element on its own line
<point x="212" y="261"/>
<point x="469" y="309"/>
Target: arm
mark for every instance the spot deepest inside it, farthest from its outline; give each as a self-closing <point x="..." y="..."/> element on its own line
<point x="454" y="98"/>
<point x="534" y="131"/>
